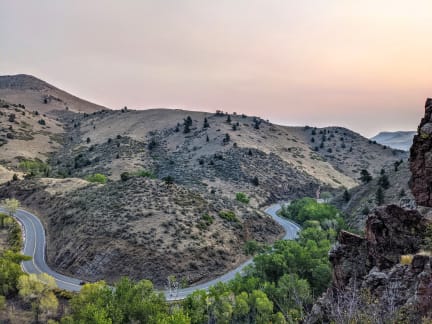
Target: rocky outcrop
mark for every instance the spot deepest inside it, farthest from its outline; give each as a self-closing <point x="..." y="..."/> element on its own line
<point x="370" y="284"/>
<point x="392" y="231"/>
<point x="421" y="159"/>
<point x="370" y="266"/>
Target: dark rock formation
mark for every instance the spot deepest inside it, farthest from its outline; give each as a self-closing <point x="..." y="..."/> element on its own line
<point x="370" y="266"/>
<point x="391" y="232"/>
<point x="370" y="284"/>
<point x="421" y="159"/>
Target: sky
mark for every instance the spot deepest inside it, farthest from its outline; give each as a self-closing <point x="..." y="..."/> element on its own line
<point x="365" y="65"/>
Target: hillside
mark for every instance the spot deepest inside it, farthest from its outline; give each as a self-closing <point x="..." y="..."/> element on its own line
<point x="172" y="177"/>
<point x="363" y="198"/>
<point x="397" y="140"/>
<point x="384" y="276"/>
<point x="38" y="95"/>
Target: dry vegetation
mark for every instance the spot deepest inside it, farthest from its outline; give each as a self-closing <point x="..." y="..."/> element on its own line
<point x="143" y="226"/>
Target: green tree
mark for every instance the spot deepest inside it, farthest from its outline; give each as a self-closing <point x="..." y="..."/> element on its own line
<point x="241" y="307"/>
<point x="3" y="216"/>
<point x="11" y="206"/>
<point x="365" y="176"/>
<point x="37" y="289"/>
<point x="10" y="271"/>
<point x="379" y="196"/>
<point x="262" y="307"/>
<point x="206" y="123"/>
<point x="383" y="181"/>
<point x="346" y="195"/>
<point x="196" y="305"/>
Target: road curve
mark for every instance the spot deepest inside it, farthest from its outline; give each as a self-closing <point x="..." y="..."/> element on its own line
<point x="35" y="245"/>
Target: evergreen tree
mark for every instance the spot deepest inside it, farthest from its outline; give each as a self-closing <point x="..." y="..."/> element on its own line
<point x="365" y="176"/>
<point x="206" y="123"/>
<point x="187" y="124"/>
<point x="383" y="181"/>
<point x="255" y="181"/>
<point x="346" y="196"/>
<point x="227" y="138"/>
<point x="379" y="196"/>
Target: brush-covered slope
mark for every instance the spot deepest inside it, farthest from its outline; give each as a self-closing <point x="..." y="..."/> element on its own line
<point x="25" y="135"/>
<point x="226" y="154"/>
<point x="365" y="197"/>
<point x="173" y="177"/>
<point x="141" y="228"/>
<point x="39" y="95"/>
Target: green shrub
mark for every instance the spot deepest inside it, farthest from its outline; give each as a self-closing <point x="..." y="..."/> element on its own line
<point x="14" y="237"/>
<point x="228" y="215"/>
<point x="34" y="168"/>
<point x="205" y="221"/>
<point x="305" y="209"/>
<point x="242" y="197"/>
<point x="253" y="247"/>
<point x="144" y="173"/>
<point x="97" y="178"/>
<point x="125" y="176"/>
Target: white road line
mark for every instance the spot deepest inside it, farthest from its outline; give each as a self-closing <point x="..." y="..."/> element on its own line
<point x="291" y="229"/>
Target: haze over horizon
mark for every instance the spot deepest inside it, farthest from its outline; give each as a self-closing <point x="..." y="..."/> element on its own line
<point x="365" y="66"/>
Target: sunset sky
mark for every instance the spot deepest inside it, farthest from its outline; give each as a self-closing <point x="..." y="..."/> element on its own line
<point x="366" y="65"/>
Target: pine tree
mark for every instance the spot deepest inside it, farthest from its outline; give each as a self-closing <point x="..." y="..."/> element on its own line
<point x="255" y="181"/>
<point x="379" y="196"/>
<point x="365" y="176"/>
<point x="206" y="123"/>
<point x="383" y="181"/>
<point x="346" y="196"/>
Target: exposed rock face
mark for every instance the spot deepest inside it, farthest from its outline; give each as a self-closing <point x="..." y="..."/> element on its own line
<point x="370" y="284"/>
<point x="421" y="159"/>
<point x="371" y="264"/>
<point x="391" y="232"/>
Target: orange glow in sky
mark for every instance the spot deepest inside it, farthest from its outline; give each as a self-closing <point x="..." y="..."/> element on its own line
<point x="366" y="65"/>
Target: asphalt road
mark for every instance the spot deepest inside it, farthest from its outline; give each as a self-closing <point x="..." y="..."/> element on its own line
<point x="35" y="245"/>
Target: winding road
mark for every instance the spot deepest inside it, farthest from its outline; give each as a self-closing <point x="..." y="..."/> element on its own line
<point x="35" y="245"/>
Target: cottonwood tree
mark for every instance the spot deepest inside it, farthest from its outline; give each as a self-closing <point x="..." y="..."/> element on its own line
<point x="37" y="289"/>
<point x="2" y="219"/>
<point x="11" y="206"/>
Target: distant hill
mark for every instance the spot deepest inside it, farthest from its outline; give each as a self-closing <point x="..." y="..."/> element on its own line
<point x="41" y="96"/>
<point x="397" y="140"/>
<point x="172" y="180"/>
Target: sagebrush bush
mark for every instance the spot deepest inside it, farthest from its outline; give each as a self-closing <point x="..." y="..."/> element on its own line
<point x="228" y="215"/>
<point x="242" y="197"/>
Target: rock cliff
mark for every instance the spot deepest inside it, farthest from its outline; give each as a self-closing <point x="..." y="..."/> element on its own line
<point x="421" y="159"/>
<point x="385" y="275"/>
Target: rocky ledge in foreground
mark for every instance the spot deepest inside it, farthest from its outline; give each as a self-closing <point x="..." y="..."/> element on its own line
<point x="370" y="282"/>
